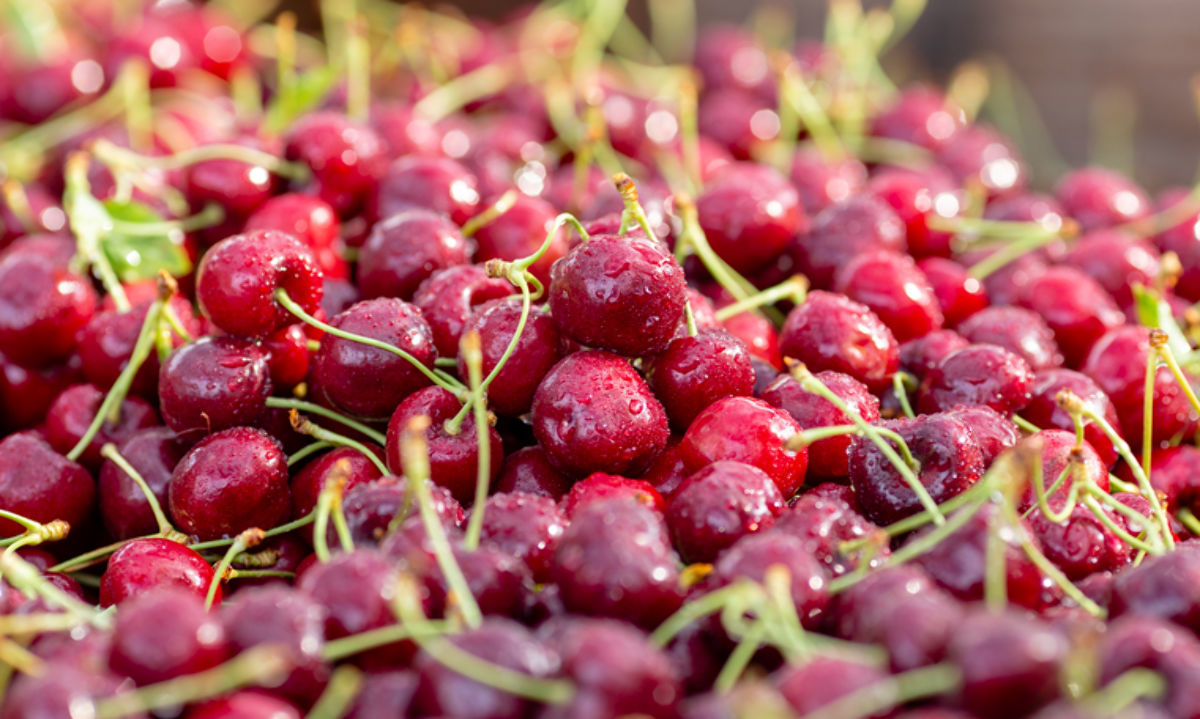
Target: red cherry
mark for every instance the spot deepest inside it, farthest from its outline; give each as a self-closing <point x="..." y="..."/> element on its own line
<point x="748" y="430"/>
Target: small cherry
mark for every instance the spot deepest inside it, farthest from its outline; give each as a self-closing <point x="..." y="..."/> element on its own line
<point x="405" y="249"/>
<point x="214" y="383"/>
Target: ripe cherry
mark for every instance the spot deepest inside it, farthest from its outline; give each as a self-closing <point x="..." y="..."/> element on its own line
<point x="1018" y="330"/>
<point x="696" y="371"/>
<point x="919" y="197"/>
<point x="40" y="484"/>
<point x="1010" y="663"/>
<point x="744" y="429"/>
<point x="439" y="184"/>
<point x="599" y="486"/>
<point x="519" y="232"/>
<point x="404" y="249"/>
<point x="844" y="230"/>
<point x="895" y="289"/>
<point x="1165" y="586"/>
<point x="922" y="116"/>
<point x="448" y="298"/>
<point x="978" y="374"/>
<point x="346" y="158"/>
<point x="42" y="306"/>
<point x="958" y="294"/>
<point x="309" y="219"/>
<point x="153" y="452"/>
<point x="147" y="563"/>
<point x="980" y="154"/>
<point x="919" y="356"/>
<point x="1116" y="261"/>
<point x="165" y="633"/>
<point x="106" y="343"/>
<point x="832" y="332"/>
<point x="537" y="350"/>
<point x="1043" y="409"/>
<point x="75" y="408"/>
<point x="718" y="505"/>
<point x="1075" y="307"/>
<point x="750" y="213"/>
<point x="822" y="181"/>
<point x="526" y="526"/>
<point x="214" y="383"/>
<point x="529" y="471"/>
<point x="1097" y="197"/>
<point x="827" y="457"/>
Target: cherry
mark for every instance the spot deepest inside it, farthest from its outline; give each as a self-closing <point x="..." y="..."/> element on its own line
<point x="287" y="355"/>
<point x="958" y="294"/>
<point x="44" y="210"/>
<point x="980" y="154"/>
<point x="1151" y="643"/>
<point x="1016" y="329"/>
<point x="828" y="524"/>
<point x="528" y="471"/>
<point x="448" y="297"/>
<point x="1173" y="474"/>
<point x="384" y="695"/>
<point x="237" y="187"/>
<point x="355" y="589"/>
<point x="895" y="289"/>
<point x="337" y="296"/>
<point x="1097" y="198"/>
<point x="993" y="432"/>
<point x="728" y="56"/>
<point x="537" y="351"/>
<point x="919" y="196"/>
<point x="615" y="669"/>
<point x="920" y="115"/>
<point x="826" y="457"/>
<point x="238" y="277"/>
<point x="231" y="481"/>
<point x="1075" y="307"/>
<point x="244" y="705"/>
<point x="1116" y="261"/>
<point x="214" y="383"/>
<point x="619" y="430"/>
<point x="694" y="372"/>
<point x="750" y="213"/>
<point x="738" y="121"/>
<point x="165" y="633"/>
<point x="823" y="181"/>
<point x="26" y="394"/>
<point x="346" y="158"/>
<point x="832" y="332"/>
<point x="519" y="232"/>
<point x="1006" y="285"/>
<point x="1081" y="544"/>
<point x="615" y="560"/>
<point x="1009" y="662"/>
<point x="525" y="526"/>
<point x="757" y="333"/>
<point x="141" y="565"/>
<point x="153" y="452"/>
<point x="752" y="556"/>
<point x="919" y="356"/>
<point x="439" y="184"/>
<point x="309" y="219"/>
<point x="307" y="484"/>
<point x="668" y="471"/>
<point x="599" y="486"/>
<point x="1182" y="239"/>
<point x="978" y="374"/>
<point x="1043" y="409"/>
<point x="106" y="342"/>
<point x="950" y="461"/>
<point x="810" y="685"/>
<point x="403" y="250"/>
<point x="367" y="381"/>
<point x="61" y="689"/>
<point x="158" y="40"/>
<point x="1164" y="586"/>
<point x="40" y="484"/>
<point x="844" y="230"/>
<point x="744" y="429"/>
<point x="280" y="616"/>
<point x="716" y="506"/>
<point x="453" y="456"/>
<point x="73" y="411"/>
<point x="1117" y="363"/>
<point x="42" y="307"/>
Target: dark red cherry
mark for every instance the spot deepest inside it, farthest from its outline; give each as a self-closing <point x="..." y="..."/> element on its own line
<point x="307" y="484"/>
<point x="1006" y="285"/>
<point x="753" y="555"/>
<point x="1075" y="307"/>
<point x="919" y="197"/>
<point x="978" y="374"/>
<point x="153" y="452"/>
<point x="453" y="457"/>
<point x="599" y="486"/>
<point x="696" y="371"/>
<point x="809" y="686"/>
<point x="1016" y="329"/>
<point x="367" y="381"/>
<point x="844" y="230"/>
<point x="618" y="430"/>
<point x="920" y="115"/>
<point x="1082" y="543"/>
<point x="74" y="410"/>
<point x="833" y="531"/>
<point x="214" y="383"/>
<point x="448" y="298"/>
<point x="537" y="350"/>
<point x="758" y="334"/>
<point x="244" y="705"/>
<point x="919" y="356"/>
<point x="823" y="181"/>
<point x="439" y="184"/>
<point x="526" y="526"/>
<point x="978" y="154"/>
<point x="832" y="332"/>
<point x="1043" y="409"/>
<point x="1165" y="586"/>
<point x="404" y="249"/>
<point x="1009" y="662"/>
<point x="238" y="276"/>
<point x="347" y="159"/>
<point x="63" y="688"/>
<point x="718" y="505"/>
<point x="42" y="307"/>
<point x="158" y="40"/>
<point x="106" y="343"/>
<point x="827" y="457"/>
<point x="1116" y="261"/>
<point x="1174" y="474"/>
<point x="237" y="187"/>
<point x="895" y="289"/>
<point x="748" y="430"/>
<point x="287" y="355"/>
<point x="615" y="560"/>
<point x="281" y="616"/>
<point x="372" y="507"/>
<point x="403" y="131"/>
<point x="356" y="589"/>
<point x="144" y="564"/>
<point x="165" y="633"/>
<point x="738" y="121"/>
<point x="309" y="219"/>
<point x="384" y="695"/>
<point x="41" y="484"/>
<point x="529" y="471"/>
<point x="26" y="394"/>
<point x="231" y="481"/>
<point x="1097" y="197"/>
<point x="958" y="294"/>
<point x="750" y="213"/>
<point x="519" y="232"/>
<point x="729" y="56"/>
<point x="993" y="432"/>
<point x="950" y="461"/>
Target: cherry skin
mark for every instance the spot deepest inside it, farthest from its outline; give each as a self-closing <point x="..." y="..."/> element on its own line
<point x="757" y="333"/>
<point x="244" y="705"/>
<point x="615" y="560"/>
<point x="919" y="356"/>
<point x="832" y="332"/>
<point x="384" y="694"/>
<point x="26" y="394"/>
<point x="599" y="486"/>
<point x="919" y="197"/>
<point x="62" y="689"/>
<point x="214" y="383"/>
<point x="165" y="633"/>
<point x="694" y="372"/>
<point x="822" y="181"/>
<point x="1016" y="329"/>
<point x="74" y="410"/>
<point x="844" y="230"/>
<point x="281" y="616"/>
<point x="1174" y="472"/>
<point x="40" y="484"/>
<point x="106" y="343"/>
<point x="1151" y="643"/>
<point x="822" y="681"/>
<point x="1184" y="240"/>
<point x="618" y="431"/>
<point x="922" y="116"/>
<point x="978" y="374"/>
<point x="439" y="184"/>
<point x="239" y="188"/>
<point x="1082" y="544"/>
<point x="623" y="294"/>
<point x="1075" y="307"/>
<point x="231" y="481"/>
<point x="42" y="307"/>
<point x="959" y="295"/>
<point x="1096" y="198"/>
<point x="744" y="429"/>
<point x="519" y="232"/>
<point x="307" y="484"/>
<point x="536" y="352"/>
<point x="347" y="159"/>
<point x="729" y="56"/>
<point x="895" y="289"/>
<point x="526" y="526"/>
<point x="153" y="452"/>
<point x="827" y="458"/>
<point x="1043" y="409"/>
<point x="718" y="505"/>
<point x="981" y="154"/>
<point x="144" y="564"/>
<point x="1010" y="663"/>
<point x="448" y="298"/>
<point x="371" y="507"/>
<point x="737" y="121"/>
<point x="993" y="432"/>
<point x="287" y="355"/>
<point x="238" y="276"/>
<point x="1116" y="261"/>
<point x="826" y="525"/>
<point x="309" y="219"/>
<point x="1164" y="586"/>
<point x="950" y="462"/>
<point x="355" y="590"/>
<point x="367" y="381"/>
<point x="750" y="213"/>
<point x="403" y="250"/>
<point x="529" y="471"/>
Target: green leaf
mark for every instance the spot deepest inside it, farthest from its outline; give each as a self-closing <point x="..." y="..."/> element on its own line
<point x="1153" y="311"/>
<point x="141" y="256"/>
<point x="306" y="93"/>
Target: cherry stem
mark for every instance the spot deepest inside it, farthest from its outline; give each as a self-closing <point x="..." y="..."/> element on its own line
<point x="1050" y="569"/>
<point x="17" y="201"/>
<point x="900" y="384"/>
<point x="777" y="581"/>
<point x="91" y="223"/>
<point x="30" y="625"/>
<point x="407" y="607"/>
<point x="1148" y="388"/>
<point x="308" y="450"/>
<point x="906" y="469"/>
<point x="329" y="503"/>
<point x="212" y="214"/>
<point x="1102" y="516"/>
<point x="471" y="351"/>
<point x="261" y="665"/>
<point x="1025" y="424"/>
<point x="632" y="213"/>
<point x="15" y="656"/>
<point x="306" y="427"/>
<point x="1131" y="686"/>
<point x="798" y="106"/>
<point x="1168" y="356"/>
<point x="455" y="388"/>
<point x="414" y="456"/>
<point x="35" y="532"/>
<point x="291" y="526"/>
<point x="995" y="566"/>
<point x="696" y="609"/>
<point x="740" y="657"/>
<point x="689" y="131"/>
<point x="249" y="538"/>
<point x="338" y="649"/>
<point x="344" y="685"/>
<point x="30" y="582"/>
<point x="673" y="28"/>
<point x="358" y="70"/>
<point x="892" y="692"/>
<point x="165" y="528"/>
<point x="503" y="204"/>
<point x="464" y="89"/>
<point x="120" y="157"/>
<point x="692" y="239"/>
<point x="793" y="289"/>
<point x="313" y="408"/>
<point x="998" y="259"/>
<point x="1189" y="520"/>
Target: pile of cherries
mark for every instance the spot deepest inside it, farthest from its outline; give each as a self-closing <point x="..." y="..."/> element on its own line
<point x="397" y="396"/>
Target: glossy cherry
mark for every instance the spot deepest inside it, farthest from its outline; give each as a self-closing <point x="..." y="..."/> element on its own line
<point x="920" y="115"/>
<point x="826" y="457"/>
<point x="598" y="486"/>
<point x="1043" y="409"/>
<point x="536" y="352"/>
<point x="526" y="526"/>
<point x="144" y="564"/>
<point x="895" y="289"/>
<point x="1075" y="306"/>
<point x="694" y="372"/>
<point x="1016" y="329"/>
<point x="750" y="213"/>
<point x="439" y="184"/>
<point x="165" y="633"/>
<point x="959" y="295"/>
<point x="1097" y="197"/>
<point x="519" y="232"/>
<point x="42" y="306"/>
<point x="832" y="332"/>
<point x="529" y="471"/>
<point x="75" y="408"/>
<point x="978" y="374"/>
<point x="309" y="219"/>
<point x="40" y="484"/>
<point x="346" y="158"/>
<point x="744" y="429"/>
<point x="214" y="383"/>
<point x="404" y="249"/>
<point x="448" y="298"/>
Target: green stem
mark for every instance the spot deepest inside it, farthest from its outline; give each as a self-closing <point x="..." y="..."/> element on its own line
<point x="305" y="452"/>
<point x="311" y="429"/>
<point x="794" y="289"/>
<point x="273" y="532"/>
<point x="91" y="223"/>
<point x="473" y="354"/>
<point x="339" y="694"/>
<point x="900" y="382"/>
<point x="247" y="539"/>
<point x="692" y="238"/>
<point x="740" y="657"/>
<point x="313" y="408"/>
<point x="696" y="609"/>
<point x="1025" y="424"/>
<point x="30" y="582"/>
<point x="165" y="528"/>
<point x="462" y="90"/>
<point x="498" y="208"/>
<point x="892" y="692"/>
<point x="338" y="649"/>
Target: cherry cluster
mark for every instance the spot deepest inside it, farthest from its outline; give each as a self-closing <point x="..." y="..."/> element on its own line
<point x="546" y="369"/>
